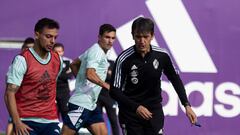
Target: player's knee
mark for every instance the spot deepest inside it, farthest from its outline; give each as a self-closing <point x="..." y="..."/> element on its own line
<point x="104" y="132"/>
<point x="67" y="131"/>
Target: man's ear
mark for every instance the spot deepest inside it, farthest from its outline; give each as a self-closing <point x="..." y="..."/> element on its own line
<point x="36" y="35"/>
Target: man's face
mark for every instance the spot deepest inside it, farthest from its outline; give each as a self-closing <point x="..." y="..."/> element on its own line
<point x="106" y="40"/>
<point x="59" y="50"/>
<point x="143" y="41"/>
<point x="47" y="38"/>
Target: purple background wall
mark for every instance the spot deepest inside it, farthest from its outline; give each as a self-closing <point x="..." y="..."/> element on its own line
<point x="217" y="22"/>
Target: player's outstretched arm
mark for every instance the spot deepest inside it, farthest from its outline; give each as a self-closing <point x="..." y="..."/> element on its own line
<point x="93" y="77"/>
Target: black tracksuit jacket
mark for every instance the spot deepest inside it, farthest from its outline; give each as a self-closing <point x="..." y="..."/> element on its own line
<point x="137" y="80"/>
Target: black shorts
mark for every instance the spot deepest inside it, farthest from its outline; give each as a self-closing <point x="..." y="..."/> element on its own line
<point x="78" y="117"/>
<point x="43" y="128"/>
<point x="132" y="124"/>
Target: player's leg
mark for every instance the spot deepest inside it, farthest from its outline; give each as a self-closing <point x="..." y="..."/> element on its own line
<point x="95" y="123"/>
<point x="67" y="131"/>
<point x="62" y="104"/>
<point x="112" y="115"/>
<point x="98" y="129"/>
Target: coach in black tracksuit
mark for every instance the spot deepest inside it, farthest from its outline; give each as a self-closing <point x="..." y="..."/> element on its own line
<point x="136" y="83"/>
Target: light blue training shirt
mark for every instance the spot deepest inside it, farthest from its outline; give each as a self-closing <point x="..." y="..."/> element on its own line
<point x="86" y="93"/>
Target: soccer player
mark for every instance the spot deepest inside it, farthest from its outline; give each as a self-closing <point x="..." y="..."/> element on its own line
<point x="31" y="84"/>
<point x="63" y="90"/>
<point x="28" y="43"/>
<point x="90" y="78"/>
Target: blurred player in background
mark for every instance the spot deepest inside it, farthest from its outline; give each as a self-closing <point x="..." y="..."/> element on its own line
<point x="63" y="91"/>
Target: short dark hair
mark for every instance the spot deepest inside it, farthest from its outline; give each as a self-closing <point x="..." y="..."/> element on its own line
<point x="142" y="25"/>
<point x="46" y="22"/>
<point x="28" y="40"/>
<point x="106" y="28"/>
<point x="58" y="45"/>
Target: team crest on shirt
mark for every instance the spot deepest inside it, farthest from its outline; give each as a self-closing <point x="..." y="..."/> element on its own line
<point x="134" y="80"/>
<point x="134" y="74"/>
<point x="155" y="64"/>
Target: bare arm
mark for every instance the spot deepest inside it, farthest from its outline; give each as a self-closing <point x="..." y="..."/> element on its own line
<point x="11" y="101"/>
<point x="75" y="65"/>
<point x="20" y="128"/>
<point x="93" y="77"/>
